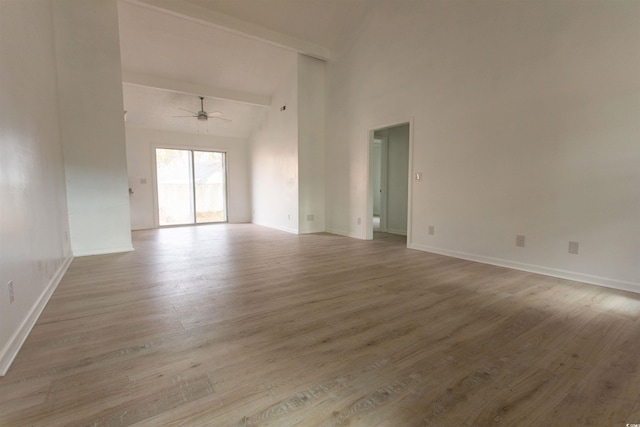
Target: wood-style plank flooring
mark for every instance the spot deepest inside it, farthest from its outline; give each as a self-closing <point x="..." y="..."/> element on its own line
<point x="240" y="325"/>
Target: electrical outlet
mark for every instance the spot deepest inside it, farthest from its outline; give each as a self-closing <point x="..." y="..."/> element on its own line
<point x="432" y="230"/>
<point x="11" y="295"/>
<point x="310" y="217"/>
<point x="574" y="248"/>
<point x="520" y="241"/>
<point x="359" y="221"/>
<point x="289" y="217"/>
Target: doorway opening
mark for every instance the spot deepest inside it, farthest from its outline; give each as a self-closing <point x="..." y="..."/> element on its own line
<point x="191" y="186"/>
<point x="388" y="209"/>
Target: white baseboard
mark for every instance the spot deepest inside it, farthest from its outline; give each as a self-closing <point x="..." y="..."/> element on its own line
<point x="553" y="272"/>
<point x="344" y="233"/>
<point x="105" y="251"/>
<point x="276" y="227"/>
<point x="10" y="351"/>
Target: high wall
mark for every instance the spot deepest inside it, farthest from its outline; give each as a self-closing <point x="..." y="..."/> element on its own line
<point x="274" y="159"/>
<point x="525" y="121"/>
<point x="287" y="152"/>
<point x="311" y="133"/>
<point x="34" y="231"/>
<point x="91" y="117"/>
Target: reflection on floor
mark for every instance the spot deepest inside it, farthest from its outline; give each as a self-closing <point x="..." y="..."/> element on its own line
<point x="377" y="234"/>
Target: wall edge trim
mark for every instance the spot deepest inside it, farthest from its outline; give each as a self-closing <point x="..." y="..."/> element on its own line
<point x="345" y="233"/>
<point x="89" y="252"/>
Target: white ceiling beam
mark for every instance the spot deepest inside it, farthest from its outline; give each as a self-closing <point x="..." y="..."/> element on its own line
<point x="171" y="85"/>
<point x="195" y="13"/>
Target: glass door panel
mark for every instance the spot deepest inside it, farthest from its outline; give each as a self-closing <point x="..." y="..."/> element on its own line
<point x="210" y="186"/>
<point x="175" y="186"/>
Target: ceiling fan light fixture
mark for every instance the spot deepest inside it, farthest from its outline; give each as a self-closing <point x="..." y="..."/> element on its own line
<point x="202" y="115"/>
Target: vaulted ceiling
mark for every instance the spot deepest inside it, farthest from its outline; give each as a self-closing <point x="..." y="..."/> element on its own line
<point x="234" y="53"/>
<point x="322" y="22"/>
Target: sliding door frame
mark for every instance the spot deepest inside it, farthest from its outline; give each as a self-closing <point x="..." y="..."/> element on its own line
<point x="192" y="148"/>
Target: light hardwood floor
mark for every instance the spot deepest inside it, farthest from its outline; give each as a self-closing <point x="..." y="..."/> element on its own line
<point x="240" y="325"/>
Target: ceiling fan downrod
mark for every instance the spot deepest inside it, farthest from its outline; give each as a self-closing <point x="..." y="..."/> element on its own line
<point x="202" y="115"/>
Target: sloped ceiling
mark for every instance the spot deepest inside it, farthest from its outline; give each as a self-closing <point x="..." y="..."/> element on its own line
<point x="161" y="109"/>
<point x="323" y="22"/>
<point x="170" y="58"/>
<point x="207" y="60"/>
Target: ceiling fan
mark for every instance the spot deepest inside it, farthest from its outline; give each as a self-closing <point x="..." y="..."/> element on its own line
<point x="203" y="115"/>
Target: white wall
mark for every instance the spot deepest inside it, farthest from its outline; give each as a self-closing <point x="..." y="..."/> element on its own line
<point x="526" y="122"/>
<point x="274" y="159"/>
<point x="91" y="115"/>
<point x="311" y="136"/>
<point x="141" y="144"/>
<point x="34" y="242"/>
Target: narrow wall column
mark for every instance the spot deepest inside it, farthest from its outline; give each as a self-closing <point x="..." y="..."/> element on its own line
<point x="91" y="118"/>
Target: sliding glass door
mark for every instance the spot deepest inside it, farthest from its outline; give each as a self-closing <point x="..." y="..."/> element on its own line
<point x="191" y="186"/>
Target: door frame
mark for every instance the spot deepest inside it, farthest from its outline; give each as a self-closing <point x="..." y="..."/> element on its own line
<point x="383" y="179"/>
<point x="370" y="178"/>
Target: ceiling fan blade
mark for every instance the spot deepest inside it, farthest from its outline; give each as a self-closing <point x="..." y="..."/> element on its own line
<point x="184" y="116"/>
<point x="215" y="114"/>
<point x="221" y="118"/>
<point x="188" y="111"/>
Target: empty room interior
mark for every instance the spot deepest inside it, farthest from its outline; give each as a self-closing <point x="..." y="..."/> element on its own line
<point x="319" y="213"/>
